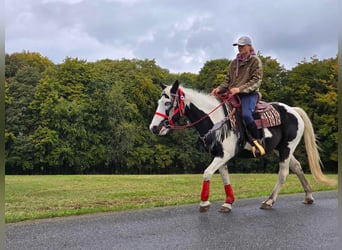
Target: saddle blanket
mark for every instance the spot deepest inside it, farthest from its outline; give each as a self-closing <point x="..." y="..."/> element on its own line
<point x="269" y="116"/>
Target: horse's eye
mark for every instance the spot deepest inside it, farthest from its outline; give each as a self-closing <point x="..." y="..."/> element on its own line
<point x="167" y="104"/>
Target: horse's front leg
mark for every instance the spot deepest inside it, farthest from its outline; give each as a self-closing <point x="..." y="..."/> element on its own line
<point x="227" y="205"/>
<point x="208" y="173"/>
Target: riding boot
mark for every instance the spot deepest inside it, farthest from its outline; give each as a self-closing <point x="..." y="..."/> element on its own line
<point x="257" y="148"/>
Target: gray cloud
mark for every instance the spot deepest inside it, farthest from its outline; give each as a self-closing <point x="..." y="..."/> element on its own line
<point x="180" y="35"/>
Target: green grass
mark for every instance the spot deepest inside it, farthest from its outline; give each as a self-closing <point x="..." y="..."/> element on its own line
<point x="36" y="197"/>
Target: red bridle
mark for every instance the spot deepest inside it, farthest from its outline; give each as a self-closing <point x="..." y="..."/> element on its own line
<point x="177" y="106"/>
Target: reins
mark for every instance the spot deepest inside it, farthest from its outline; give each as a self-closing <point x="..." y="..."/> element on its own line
<point x="179" y="107"/>
<point x="228" y="97"/>
<point x="189" y="125"/>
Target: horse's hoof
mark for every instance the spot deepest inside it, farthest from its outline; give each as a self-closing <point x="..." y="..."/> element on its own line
<point x="264" y="205"/>
<point x="225" y="210"/>
<point x="204" y="209"/>
<point x="308" y="201"/>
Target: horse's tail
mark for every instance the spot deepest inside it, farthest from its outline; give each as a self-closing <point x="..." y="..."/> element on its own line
<point x="311" y="147"/>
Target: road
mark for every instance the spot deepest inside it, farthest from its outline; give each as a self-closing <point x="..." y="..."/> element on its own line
<point x="289" y="225"/>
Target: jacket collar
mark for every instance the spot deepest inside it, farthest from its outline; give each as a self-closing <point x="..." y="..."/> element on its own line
<point x="242" y="58"/>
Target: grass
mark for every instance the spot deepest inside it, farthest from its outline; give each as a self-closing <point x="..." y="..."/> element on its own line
<point x="36" y="197"/>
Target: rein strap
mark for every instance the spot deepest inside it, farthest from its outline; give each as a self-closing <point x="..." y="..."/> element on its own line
<point x="201" y="119"/>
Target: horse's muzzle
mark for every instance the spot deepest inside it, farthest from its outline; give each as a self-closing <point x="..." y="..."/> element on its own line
<point x="161" y="129"/>
<point x="155" y="130"/>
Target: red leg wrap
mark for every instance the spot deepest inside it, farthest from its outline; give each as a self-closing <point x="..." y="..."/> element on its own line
<point x="229" y="194"/>
<point x="205" y="191"/>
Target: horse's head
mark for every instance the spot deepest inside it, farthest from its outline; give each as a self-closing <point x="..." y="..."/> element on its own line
<point x="170" y="109"/>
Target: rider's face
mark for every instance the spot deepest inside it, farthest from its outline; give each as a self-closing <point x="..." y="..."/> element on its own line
<point x="244" y="49"/>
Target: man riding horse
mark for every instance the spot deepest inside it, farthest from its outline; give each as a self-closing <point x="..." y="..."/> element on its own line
<point x="244" y="79"/>
<point x="282" y="132"/>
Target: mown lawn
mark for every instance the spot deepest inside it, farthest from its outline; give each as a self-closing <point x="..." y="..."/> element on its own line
<point x="35" y="197"/>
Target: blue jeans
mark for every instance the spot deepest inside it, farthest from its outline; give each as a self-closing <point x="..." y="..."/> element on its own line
<point x="248" y="102"/>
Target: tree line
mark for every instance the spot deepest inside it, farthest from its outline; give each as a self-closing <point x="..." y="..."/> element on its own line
<point x="80" y="117"/>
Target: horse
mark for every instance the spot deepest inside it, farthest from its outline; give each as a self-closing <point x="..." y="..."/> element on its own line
<point x="209" y="116"/>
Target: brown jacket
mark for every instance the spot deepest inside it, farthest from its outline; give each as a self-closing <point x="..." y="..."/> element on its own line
<point x="245" y="75"/>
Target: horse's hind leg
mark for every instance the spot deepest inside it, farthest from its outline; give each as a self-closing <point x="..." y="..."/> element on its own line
<point x="297" y="169"/>
<point x="282" y="175"/>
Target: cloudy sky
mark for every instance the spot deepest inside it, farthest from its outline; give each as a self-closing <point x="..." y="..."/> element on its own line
<point x="181" y="35"/>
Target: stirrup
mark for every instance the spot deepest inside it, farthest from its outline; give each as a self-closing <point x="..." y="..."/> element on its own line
<point x="257" y="149"/>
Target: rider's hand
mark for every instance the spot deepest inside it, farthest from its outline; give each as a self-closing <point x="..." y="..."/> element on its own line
<point x="215" y="91"/>
<point x="234" y="91"/>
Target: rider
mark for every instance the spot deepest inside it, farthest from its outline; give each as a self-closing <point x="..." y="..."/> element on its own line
<point x="244" y="79"/>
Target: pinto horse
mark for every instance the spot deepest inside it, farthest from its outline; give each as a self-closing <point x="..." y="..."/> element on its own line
<point x="206" y="113"/>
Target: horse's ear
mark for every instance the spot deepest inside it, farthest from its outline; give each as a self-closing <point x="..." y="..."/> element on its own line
<point x="175" y="87"/>
<point x="162" y="85"/>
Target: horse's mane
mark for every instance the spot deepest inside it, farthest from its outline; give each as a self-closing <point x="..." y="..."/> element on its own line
<point x="204" y="100"/>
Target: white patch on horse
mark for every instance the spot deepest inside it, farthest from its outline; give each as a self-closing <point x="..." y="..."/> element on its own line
<point x="267" y="133"/>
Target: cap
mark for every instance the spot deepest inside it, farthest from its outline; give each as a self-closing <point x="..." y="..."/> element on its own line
<point x="244" y="40"/>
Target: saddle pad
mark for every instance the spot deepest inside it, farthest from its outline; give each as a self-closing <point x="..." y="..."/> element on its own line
<point x="268" y="118"/>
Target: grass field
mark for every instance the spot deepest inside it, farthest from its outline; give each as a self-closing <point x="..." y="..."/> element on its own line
<point x="35" y="197"/>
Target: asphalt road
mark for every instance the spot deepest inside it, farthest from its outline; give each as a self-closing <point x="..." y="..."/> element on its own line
<point x="289" y="225"/>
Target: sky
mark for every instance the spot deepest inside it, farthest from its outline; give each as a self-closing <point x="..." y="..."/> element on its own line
<point x="180" y="35"/>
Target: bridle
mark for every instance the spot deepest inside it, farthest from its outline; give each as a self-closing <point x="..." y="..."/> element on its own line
<point x="178" y="107"/>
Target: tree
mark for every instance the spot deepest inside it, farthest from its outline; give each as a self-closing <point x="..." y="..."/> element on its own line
<point x="82" y="117"/>
<point x="212" y="74"/>
<point x="312" y="85"/>
<point x="23" y="72"/>
<point x="273" y="81"/>
<point x="17" y="61"/>
<point x="186" y="79"/>
<point x="60" y="110"/>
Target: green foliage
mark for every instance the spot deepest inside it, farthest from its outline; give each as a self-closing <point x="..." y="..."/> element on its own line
<point x="17" y="61"/>
<point x="82" y="117"/>
<point x="312" y="85"/>
<point x="212" y="74"/>
<point x="23" y="71"/>
<point x="273" y="81"/>
<point x="186" y="79"/>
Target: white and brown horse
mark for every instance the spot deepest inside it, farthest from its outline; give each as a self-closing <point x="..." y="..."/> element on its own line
<point x="207" y="115"/>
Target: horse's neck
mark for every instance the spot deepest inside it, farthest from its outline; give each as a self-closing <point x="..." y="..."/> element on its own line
<point x="205" y="103"/>
<point x="212" y="128"/>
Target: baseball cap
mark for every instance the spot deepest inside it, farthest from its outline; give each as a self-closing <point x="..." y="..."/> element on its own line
<point x="244" y="40"/>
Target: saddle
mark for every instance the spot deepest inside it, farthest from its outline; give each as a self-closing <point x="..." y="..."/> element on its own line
<point x="265" y="115"/>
